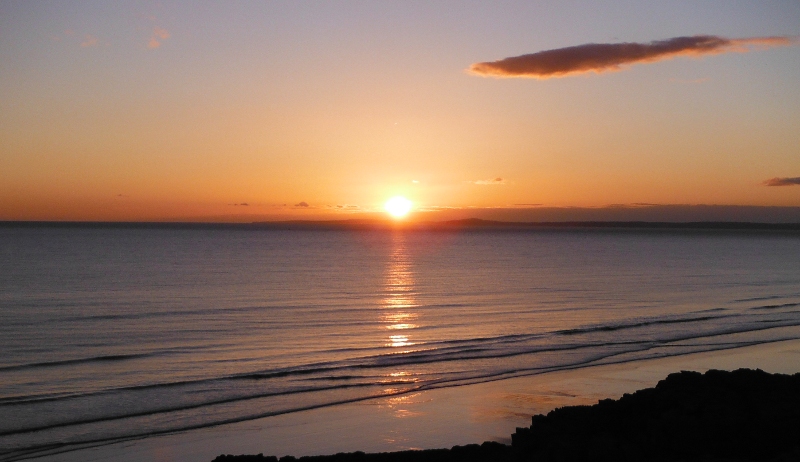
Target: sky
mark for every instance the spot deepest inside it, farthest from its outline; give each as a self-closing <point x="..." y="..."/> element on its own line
<point x="241" y="111"/>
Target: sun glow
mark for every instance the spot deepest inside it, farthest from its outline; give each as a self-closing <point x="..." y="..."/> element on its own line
<point x="398" y="206"/>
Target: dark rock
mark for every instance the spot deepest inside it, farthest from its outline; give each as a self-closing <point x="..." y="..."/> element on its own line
<point x="243" y="458"/>
<point x="741" y="415"/>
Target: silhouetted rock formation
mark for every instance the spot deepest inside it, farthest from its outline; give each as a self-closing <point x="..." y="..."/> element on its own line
<point x="740" y="415"/>
<point x="743" y="415"/>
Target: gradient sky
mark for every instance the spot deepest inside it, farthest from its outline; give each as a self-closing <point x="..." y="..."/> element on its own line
<point x="186" y="110"/>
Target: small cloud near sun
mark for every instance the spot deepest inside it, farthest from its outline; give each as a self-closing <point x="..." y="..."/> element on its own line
<point x="302" y="204"/>
<point x="782" y="181"/>
<point x="493" y="181"/>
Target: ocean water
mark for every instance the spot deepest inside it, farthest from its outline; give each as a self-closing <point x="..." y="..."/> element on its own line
<point x="109" y="334"/>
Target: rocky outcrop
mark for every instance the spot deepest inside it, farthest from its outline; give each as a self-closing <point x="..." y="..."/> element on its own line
<point x="742" y="415"/>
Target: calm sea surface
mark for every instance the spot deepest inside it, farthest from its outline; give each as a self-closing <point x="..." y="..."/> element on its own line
<point x="107" y="334"/>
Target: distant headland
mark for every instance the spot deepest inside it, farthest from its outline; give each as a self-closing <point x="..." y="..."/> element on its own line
<point x="527" y="214"/>
<point x="469" y="224"/>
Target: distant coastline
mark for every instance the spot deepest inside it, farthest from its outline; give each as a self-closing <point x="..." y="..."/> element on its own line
<point x="470" y="224"/>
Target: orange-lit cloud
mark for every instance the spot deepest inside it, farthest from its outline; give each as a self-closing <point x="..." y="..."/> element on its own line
<point x="602" y="57"/>
<point x="158" y="36"/>
<point x="493" y="181"/>
<point x="782" y="181"/>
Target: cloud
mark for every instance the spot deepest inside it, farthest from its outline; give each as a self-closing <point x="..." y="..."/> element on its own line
<point x="302" y="204"/>
<point x="602" y="57"/>
<point x="782" y="181"/>
<point x="84" y="41"/>
<point x="158" y="36"/>
<point x="497" y="180"/>
<point x="90" y="40"/>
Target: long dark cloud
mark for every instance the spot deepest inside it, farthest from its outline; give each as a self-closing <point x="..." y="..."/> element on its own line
<point x="602" y="57"/>
<point x="782" y="181"/>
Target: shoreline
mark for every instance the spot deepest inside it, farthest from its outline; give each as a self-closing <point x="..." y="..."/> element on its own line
<point x="741" y="415"/>
<point x="434" y="418"/>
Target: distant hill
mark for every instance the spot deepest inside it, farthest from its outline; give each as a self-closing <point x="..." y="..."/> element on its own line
<point x="468" y="224"/>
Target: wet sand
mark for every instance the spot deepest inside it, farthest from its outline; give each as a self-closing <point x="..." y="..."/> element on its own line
<point x="436" y="418"/>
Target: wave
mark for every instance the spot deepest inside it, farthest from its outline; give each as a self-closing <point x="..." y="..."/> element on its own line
<point x="422" y="353"/>
<point x="602" y="358"/>
<point x="177" y="408"/>
<point x="368" y="376"/>
<point x="73" y="362"/>
<point x="766" y="297"/>
<point x="615" y="327"/>
<point x="223" y="311"/>
<point x="438" y="352"/>
<point x="774" y="307"/>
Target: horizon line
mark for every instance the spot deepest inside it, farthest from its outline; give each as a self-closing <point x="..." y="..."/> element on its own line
<point x="389" y="224"/>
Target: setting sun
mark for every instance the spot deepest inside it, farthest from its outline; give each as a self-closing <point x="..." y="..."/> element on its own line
<point x="398" y="206"/>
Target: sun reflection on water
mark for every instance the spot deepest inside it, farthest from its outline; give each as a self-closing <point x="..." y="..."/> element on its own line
<point x="399" y="303"/>
<point x="399" y="341"/>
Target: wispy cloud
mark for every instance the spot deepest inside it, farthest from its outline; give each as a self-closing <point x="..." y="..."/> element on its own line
<point x="157" y="37"/>
<point x="90" y="40"/>
<point x="602" y="57"/>
<point x="493" y="181"/>
<point x="782" y="181"/>
<point x="86" y="41"/>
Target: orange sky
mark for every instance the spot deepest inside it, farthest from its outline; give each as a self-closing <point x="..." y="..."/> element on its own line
<point x="169" y="111"/>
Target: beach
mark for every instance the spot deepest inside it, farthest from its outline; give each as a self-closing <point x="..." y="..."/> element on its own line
<point x="434" y="419"/>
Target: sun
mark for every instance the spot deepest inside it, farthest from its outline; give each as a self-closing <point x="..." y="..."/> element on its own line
<point x="398" y="206"/>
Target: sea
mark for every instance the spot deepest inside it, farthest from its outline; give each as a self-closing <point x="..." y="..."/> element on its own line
<point x="117" y="333"/>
